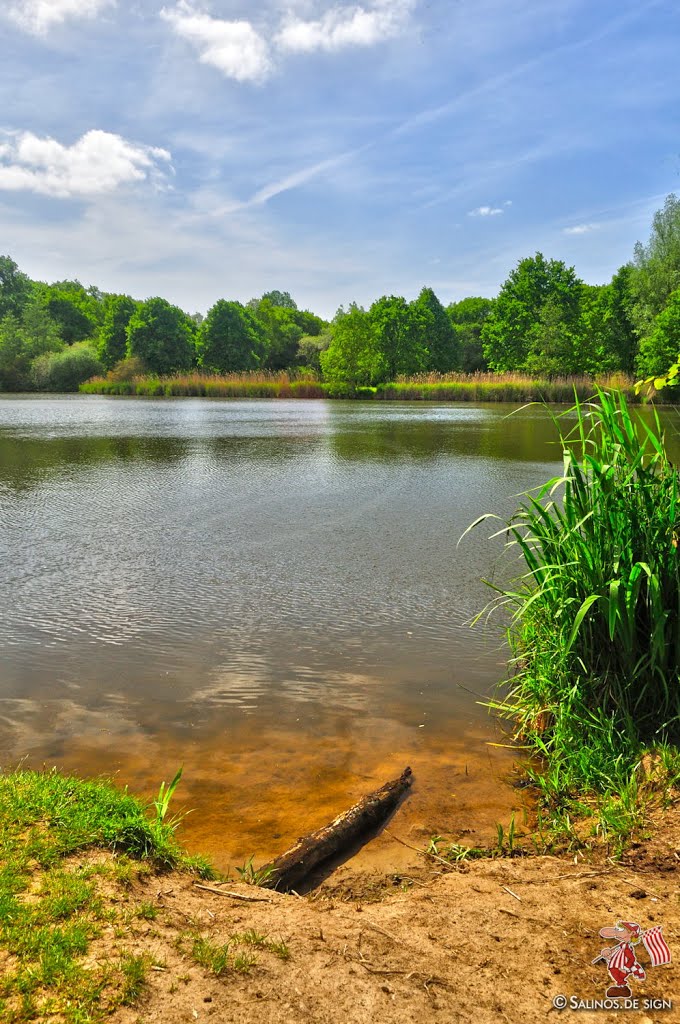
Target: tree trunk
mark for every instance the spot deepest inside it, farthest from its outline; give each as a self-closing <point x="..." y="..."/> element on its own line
<point x="293" y="866"/>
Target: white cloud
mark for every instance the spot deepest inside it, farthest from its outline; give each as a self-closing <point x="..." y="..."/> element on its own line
<point x="98" y="162"/>
<point x="233" y="47"/>
<point x="580" y="229"/>
<point x="486" y="211"/>
<point x="38" y="16"/>
<point x="346" y="26"/>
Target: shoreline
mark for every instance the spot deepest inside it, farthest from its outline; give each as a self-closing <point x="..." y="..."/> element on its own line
<point x="489" y="939"/>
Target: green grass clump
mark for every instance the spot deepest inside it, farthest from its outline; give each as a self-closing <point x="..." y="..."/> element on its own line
<point x="595" y="629"/>
<point x="50" y="908"/>
<point x="221" y="958"/>
<point x="62" y="815"/>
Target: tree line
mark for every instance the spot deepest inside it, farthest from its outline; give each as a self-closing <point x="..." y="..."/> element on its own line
<point x="545" y="321"/>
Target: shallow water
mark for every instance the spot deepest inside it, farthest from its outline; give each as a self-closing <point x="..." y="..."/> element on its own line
<point x="269" y="593"/>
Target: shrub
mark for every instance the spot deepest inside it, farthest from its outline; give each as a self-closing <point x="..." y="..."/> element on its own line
<point x="67" y="370"/>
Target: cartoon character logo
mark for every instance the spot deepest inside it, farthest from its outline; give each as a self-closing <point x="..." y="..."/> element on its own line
<point x="621" y="959"/>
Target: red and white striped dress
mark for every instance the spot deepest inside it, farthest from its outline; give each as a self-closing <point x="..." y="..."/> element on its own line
<point x="623" y="963"/>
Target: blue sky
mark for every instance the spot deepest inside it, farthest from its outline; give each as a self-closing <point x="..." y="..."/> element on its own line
<point x="340" y="151"/>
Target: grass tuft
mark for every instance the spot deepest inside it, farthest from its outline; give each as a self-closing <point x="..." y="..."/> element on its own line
<point x="50" y="909"/>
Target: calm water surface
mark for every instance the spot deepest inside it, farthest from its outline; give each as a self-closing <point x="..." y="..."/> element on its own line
<point x="269" y="593"/>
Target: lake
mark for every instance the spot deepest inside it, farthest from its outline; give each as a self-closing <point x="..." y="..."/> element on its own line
<point x="269" y="593"/>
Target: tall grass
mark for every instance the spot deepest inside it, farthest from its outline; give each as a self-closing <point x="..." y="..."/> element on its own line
<point x="495" y="387"/>
<point x="203" y="385"/>
<point x="431" y="387"/>
<point x="595" y="626"/>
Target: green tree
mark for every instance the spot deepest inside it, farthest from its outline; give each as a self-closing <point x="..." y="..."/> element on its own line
<point x="162" y="336"/>
<point x="623" y="341"/>
<point x="281" y="299"/>
<point x="507" y="334"/>
<point x="21" y="341"/>
<point x="435" y="333"/>
<point x="656" y="265"/>
<point x="77" y="311"/>
<point x="15" y="288"/>
<point x="556" y="347"/>
<point x="73" y="324"/>
<point x="660" y="348"/>
<point x="397" y="337"/>
<point x="309" y="323"/>
<point x="353" y="358"/>
<point x="467" y="318"/>
<point x="310" y="348"/>
<point x="282" y="333"/>
<point x="112" y="346"/>
<point x="230" y="338"/>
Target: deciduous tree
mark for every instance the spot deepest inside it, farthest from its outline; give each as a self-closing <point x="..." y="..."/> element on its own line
<point x="435" y="333"/>
<point x="162" y="336"/>
<point x="230" y="338"/>
<point x="353" y="358"/>
<point x="118" y="311"/>
<point x="397" y="337"/>
<point x="507" y="335"/>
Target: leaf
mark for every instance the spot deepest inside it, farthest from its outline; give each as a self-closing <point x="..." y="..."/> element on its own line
<point x="580" y="616"/>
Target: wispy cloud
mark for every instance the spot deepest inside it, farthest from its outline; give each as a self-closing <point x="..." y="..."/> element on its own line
<point x="38" y="16"/>
<point x="235" y="48"/>
<point x="580" y="229"/>
<point x="486" y="211"/>
<point x="97" y="163"/>
<point x="288" y="182"/>
<point x="497" y="83"/>
<point x="346" y="26"/>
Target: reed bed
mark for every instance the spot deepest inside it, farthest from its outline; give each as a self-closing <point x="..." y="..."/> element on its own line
<point x="453" y="387"/>
<point x="595" y="628"/>
<point x="234" y="385"/>
<point x="493" y="387"/>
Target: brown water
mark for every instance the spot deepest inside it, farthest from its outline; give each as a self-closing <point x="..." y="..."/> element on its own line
<point x="269" y="593"/>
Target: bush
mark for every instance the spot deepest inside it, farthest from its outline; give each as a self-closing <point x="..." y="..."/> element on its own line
<point x="127" y="369"/>
<point x="67" y="370"/>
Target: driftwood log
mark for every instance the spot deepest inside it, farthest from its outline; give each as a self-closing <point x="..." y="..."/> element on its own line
<point x="293" y="866"/>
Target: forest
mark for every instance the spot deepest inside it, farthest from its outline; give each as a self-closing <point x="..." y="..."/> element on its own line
<point x="545" y="322"/>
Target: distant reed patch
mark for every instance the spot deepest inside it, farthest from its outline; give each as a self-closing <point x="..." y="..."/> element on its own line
<point x="203" y="385"/>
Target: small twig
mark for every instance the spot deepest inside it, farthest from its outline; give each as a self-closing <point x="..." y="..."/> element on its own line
<point x="378" y="970"/>
<point x="583" y="874"/>
<point x="294" y="893"/>
<point x="649" y="892"/>
<point x="518" y="898"/>
<point x="423" y="853"/>
<point x="369" y="924"/>
<point x="510" y="913"/>
<point x="233" y="895"/>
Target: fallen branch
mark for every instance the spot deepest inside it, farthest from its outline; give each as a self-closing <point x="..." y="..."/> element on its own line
<point x="293" y="866"/>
